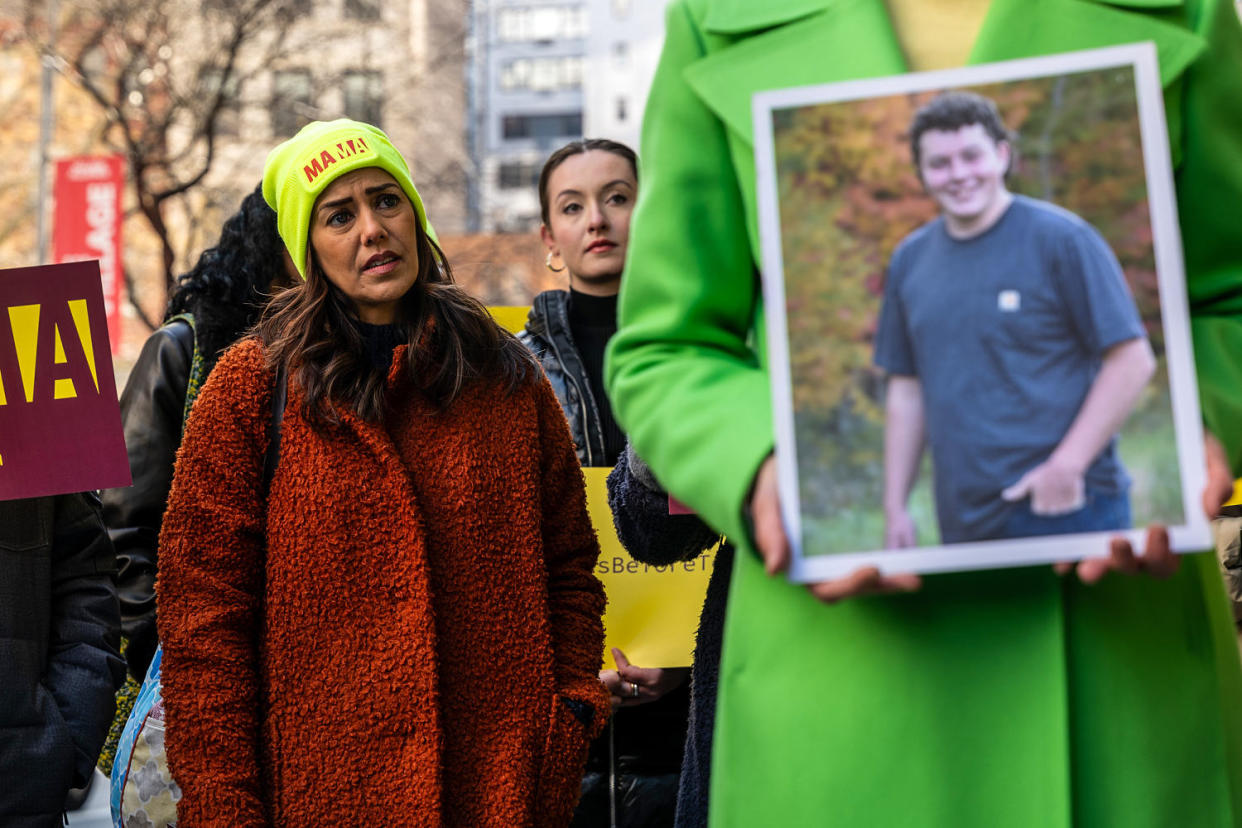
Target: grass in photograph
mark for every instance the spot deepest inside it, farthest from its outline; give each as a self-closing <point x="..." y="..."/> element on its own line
<point x="842" y="491"/>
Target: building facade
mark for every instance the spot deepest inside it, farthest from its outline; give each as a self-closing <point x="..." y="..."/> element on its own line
<point x="623" y="48"/>
<point x="526" y="99"/>
<point x="400" y="66"/>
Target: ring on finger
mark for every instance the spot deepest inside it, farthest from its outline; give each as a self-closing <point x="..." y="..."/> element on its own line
<point x="633" y="690"/>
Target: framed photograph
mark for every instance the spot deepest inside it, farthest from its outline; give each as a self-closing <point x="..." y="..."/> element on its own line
<point x="977" y="322"/>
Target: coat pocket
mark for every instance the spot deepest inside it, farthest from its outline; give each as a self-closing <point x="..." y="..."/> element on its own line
<point x="26" y="525"/>
<point x="560" y="766"/>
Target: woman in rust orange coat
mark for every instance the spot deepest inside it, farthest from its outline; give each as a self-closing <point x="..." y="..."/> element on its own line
<point x="402" y="626"/>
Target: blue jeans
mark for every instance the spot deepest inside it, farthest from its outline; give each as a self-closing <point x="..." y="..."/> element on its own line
<point x="1102" y="513"/>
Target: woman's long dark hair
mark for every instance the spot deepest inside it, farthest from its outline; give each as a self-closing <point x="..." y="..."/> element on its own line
<point x="229" y="284"/>
<point x="452" y="341"/>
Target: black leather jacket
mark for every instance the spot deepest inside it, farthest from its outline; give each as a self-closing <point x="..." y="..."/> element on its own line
<point x="152" y="407"/>
<point x="547" y="336"/>
<point x="59" y="665"/>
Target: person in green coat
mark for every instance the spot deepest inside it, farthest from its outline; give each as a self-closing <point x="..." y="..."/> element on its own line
<point x="1024" y="697"/>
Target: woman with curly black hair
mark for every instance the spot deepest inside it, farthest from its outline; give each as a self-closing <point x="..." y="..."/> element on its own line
<point x="229" y="286"/>
<point x="214" y="303"/>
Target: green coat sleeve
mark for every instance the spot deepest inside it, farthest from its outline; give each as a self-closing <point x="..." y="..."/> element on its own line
<point x="1209" y="195"/>
<point x="682" y="372"/>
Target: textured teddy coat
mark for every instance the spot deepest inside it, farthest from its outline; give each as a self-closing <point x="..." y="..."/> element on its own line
<point x="398" y="653"/>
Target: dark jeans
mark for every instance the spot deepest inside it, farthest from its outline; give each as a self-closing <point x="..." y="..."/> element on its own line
<point x="1102" y="513"/>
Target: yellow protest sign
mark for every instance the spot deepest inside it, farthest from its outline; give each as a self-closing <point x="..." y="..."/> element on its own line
<point x="1237" y="494"/>
<point x="510" y="317"/>
<point x="652" y="611"/>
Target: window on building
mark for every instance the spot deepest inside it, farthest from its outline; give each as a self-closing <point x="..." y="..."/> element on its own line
<point x="362" y="9"/>
<point x="364" y="97"/>
<point x="620" y="9"/>
<point x="558" y="125"/>
<point x="230" y="104"/>
<point x="547" y="23"/>
<point x="518" y="175"/>
<point x="621" y="54"/>
<point x="622" y="109"/>
<point x="542" y="74"/>
<point x="509" y="24"/>
<point x="576" y="22"/>
<point x="291" y="101"/>
<point x="541" y="23"/>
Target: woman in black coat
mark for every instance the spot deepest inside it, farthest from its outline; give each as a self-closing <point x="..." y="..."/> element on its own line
<point x="58" y="652"/>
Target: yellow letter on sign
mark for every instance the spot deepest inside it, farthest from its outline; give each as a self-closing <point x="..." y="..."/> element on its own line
<point x="25" y="322"/>
<point x="38" y="335"/>
<point x="77" y="307"/>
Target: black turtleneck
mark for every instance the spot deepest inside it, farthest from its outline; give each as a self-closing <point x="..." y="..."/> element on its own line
<point x="379" y="341"/>
<point x="592" y="322"/>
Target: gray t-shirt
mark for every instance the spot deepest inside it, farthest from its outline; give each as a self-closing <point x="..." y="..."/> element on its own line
<point x="1005" y="332"/>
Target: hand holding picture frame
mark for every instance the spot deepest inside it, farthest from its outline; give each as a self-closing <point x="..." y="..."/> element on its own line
<point x="977" y="320"/>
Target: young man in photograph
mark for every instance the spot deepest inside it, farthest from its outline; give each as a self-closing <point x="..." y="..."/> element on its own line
<point x="1013" y="348"/>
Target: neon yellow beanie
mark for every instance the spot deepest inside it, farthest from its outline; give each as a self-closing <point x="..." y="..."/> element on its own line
<point x="298" y="170"/>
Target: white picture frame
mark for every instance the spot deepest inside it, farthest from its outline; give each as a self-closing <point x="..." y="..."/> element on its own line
<point x="812" y="561"/>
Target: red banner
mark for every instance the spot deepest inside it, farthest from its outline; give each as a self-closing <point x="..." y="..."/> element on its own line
<point x="87" y="224"/>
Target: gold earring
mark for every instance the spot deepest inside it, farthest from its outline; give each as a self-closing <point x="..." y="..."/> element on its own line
<point x="548" y="264"/>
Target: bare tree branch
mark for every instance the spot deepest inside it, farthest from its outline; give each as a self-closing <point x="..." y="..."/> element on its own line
<point x="144" y="64"/>
<point x="168" y="76"/>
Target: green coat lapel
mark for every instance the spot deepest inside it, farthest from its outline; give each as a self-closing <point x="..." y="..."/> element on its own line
<point x="753" y="47"/>
<point x="737" y="16"/>
<point x="835" y="40"/>
<point x="1045" y="27"/>
<point x="1026" y="28"/>
<point x="842" y="41"/>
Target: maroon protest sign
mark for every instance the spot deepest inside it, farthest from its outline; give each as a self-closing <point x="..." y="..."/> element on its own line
<point x="87" y="223"/>
<point x="60" y="425"/>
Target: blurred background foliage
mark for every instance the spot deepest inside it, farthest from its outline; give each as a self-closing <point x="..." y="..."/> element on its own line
<point x="849" y="193"/>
